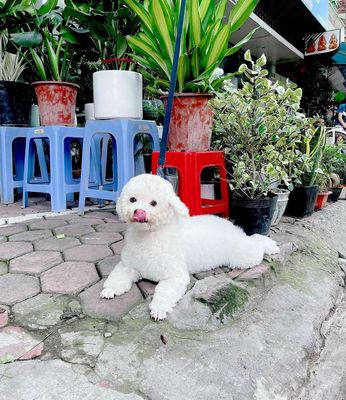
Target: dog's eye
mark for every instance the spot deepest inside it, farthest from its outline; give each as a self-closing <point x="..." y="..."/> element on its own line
<point x="153" y="203"/>
<point x="133" y="200"/>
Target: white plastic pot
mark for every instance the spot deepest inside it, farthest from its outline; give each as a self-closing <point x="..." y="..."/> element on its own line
<point x="89" y="111"/>
<point x="118" y="94"/>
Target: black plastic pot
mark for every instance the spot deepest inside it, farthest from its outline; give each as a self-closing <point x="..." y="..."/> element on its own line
<point x="254" y="216"/>
<point x="334" y="196"/>
<point x="302" y="200"/>
<point x="15" y="103"/>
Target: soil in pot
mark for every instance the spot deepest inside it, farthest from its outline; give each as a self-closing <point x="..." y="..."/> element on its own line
<point x="321" y="200"/>
<point x="15" y="103"/>
<point x="302" y="201"/>
<point x="56" y="102"/>
<point x="334" y="196"/>
<point x="253" y="215"/>
<point x="191" y="122"/>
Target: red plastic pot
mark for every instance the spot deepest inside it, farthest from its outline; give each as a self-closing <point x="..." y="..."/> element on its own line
<point x="321" y="200"/>
<point x="191" y="122"/>
<point x="56" y="102"/>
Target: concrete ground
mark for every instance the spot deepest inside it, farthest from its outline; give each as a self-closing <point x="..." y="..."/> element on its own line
<point x="277" y="332"/>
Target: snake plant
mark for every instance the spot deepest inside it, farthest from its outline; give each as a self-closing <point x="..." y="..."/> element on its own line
<point x="205" y="41"/>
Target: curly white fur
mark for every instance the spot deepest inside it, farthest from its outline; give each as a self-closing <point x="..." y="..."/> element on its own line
<point x="165" y="245"/>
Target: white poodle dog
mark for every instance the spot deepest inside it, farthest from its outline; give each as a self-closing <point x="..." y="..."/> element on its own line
<point x="165" y="245"/>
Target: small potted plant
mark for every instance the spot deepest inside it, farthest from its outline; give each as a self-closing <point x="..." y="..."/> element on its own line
<point x="117" y="87"/>
<point x="203" y="48"/>
<point x="322" y="180"/>
<point x="48" y="37"/>
<point x="302" y="199"/>
<point x="255" y="125"/>
<point x="333" y="161"/>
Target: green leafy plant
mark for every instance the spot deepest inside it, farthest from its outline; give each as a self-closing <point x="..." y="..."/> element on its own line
<point x="258" y="126"/>
<point x="11" y="65"/>
<point x="104" y="26"/>
<point x="204" y="41"/>
<point x="49" y="39"/>
<point x="333" y="164"/>
<point x="312" y="147"/>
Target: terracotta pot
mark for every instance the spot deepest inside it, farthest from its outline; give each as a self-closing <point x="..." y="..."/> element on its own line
<point x="321" y="200"/>
<point x="56" y="102"/>
<point x="191" y="122"/>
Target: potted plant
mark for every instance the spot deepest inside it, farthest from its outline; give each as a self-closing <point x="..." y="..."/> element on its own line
<point x="323" y="192"/>
<point x="255" y="125"/>
<point x="203" y="48"/>
<point x="333" y="161"/>
<point x="303" y="197"/>
<point x="48" y="38"/>
<point x="15" y="96"/>
<point x="117" y="88"/>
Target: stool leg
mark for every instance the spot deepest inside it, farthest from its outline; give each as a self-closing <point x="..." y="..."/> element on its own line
<point x="6" y="170"/>
<point x="84" y="180"/>
<point x="28" y="169"/>
<point x="57" y="162"/>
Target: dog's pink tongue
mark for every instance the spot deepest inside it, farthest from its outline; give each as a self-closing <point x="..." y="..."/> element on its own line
<point x="140" y="216"/>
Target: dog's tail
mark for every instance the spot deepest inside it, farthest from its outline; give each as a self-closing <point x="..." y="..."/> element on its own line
<point x="269" y="245"/>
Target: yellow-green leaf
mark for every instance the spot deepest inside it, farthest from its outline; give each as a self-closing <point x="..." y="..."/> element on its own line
<point x="161" y="27"/>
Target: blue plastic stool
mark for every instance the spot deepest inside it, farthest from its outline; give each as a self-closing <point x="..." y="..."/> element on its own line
<point x="61" y="182"/>
<point x="123" y="133"/>
<point x="12" y="155"/>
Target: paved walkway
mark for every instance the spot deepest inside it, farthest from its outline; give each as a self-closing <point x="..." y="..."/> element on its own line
<point x="262" y="343"/>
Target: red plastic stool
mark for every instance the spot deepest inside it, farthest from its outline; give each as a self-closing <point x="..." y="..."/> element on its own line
<point x="189" y="166"/>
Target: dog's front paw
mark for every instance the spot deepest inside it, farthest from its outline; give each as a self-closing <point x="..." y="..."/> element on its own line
<point x="158" y="315"/>
<point x="107" y="293"/>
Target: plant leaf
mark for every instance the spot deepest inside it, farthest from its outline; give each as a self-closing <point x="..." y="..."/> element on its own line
<point x="27" y="39"/>
<point x="39" y="65"/>
<point x="162" y="27"/>
<point x="241" y="12"/>
<point x="47" y="7"/>
<point x="240" y="44"/>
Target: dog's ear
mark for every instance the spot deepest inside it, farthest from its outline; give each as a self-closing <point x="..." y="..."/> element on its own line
<point x="178" y="206"/>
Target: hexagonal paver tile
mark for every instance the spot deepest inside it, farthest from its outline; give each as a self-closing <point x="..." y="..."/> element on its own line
<point x="30" y="236"/>
<point x="101" y="238"/>
<point x="15" y="288"/>
<point x="84" y="220"/>
<point x="44" y="310"/>
<point x="117" y="247"/>
<point x="111" y="309"/>
<point x="36" y="262"/>
<point x="14" y="249"/>
<point x="69" y="277"/>
<point x="111" y="227"/>
<point x="47" y="224"/>
<point x="74" y="230"/>
<point x="54" y="243"/>
<point x="87" y="252"/>
<point x="8" y="230"/>
<point x="106" y="266"/>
